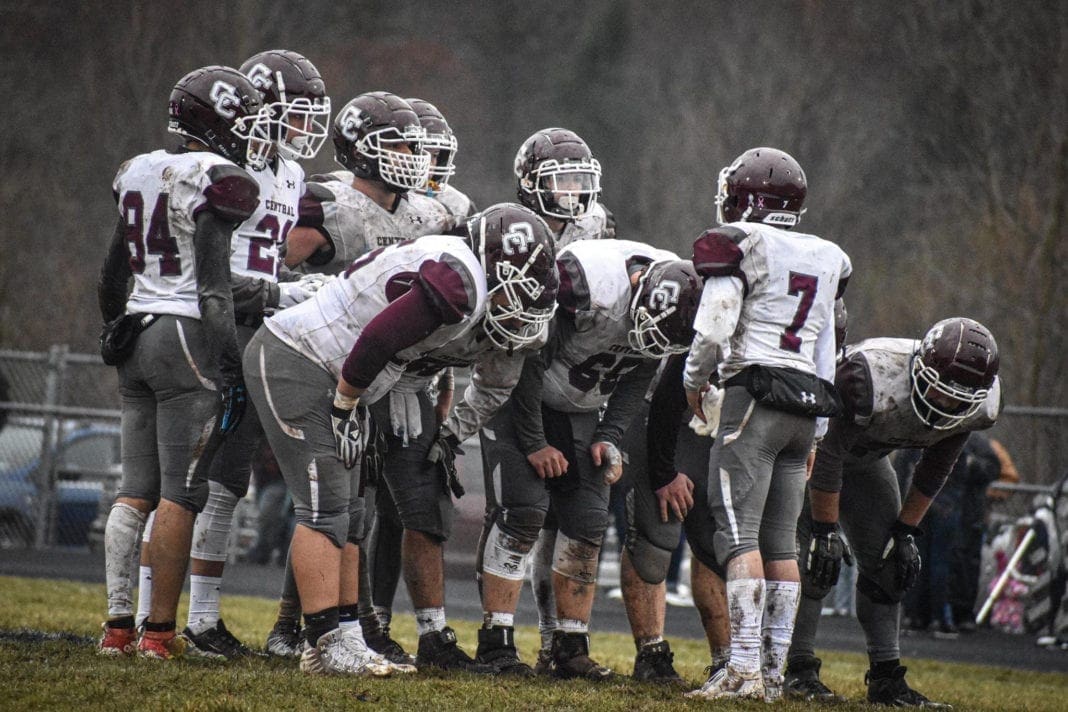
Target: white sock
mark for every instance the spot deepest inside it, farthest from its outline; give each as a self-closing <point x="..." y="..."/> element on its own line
<point x="571" y="625"/>
<point x="491" y="619"/>
<point x="429" y="620"/>
<point x="144" y="585"/>
<point x="352" y="627"/>
<point x="211" y="529"/>
<point x="780" y="608"/>
<point x="745" y="600"/>
<point x="122" y="534"/>
<point x="203" y="602"/>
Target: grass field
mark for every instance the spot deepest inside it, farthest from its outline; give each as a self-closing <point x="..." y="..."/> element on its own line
<point x="58" y="672"/>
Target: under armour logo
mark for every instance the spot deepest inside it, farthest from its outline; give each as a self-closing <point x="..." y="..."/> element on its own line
<point x="808" y="398"/>
<point x="291" y="184"/>
<point x="415" y="219"/>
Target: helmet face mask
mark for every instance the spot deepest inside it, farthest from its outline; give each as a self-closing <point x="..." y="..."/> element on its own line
<point x="952" y="372"/>
<point x="218" y="107"/>
<point x="407" y="170"/>
<point x="516" y="251"/>
<point x="556" y="174"/>
<point x="663" y="309"/>
<point x="440" y="143"/>
<point x="762" y="185"/>
<point x="295" y="97"/>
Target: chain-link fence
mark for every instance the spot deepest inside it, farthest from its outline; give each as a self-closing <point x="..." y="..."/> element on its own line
<point x="60" y="448"/>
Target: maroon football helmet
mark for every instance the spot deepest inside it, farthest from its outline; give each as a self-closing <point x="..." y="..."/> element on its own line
<point x="952" y="372"/>
<point x="369" y="130"/>
<point x="295" y="94"/>
<point x="440" y="143"/>
<point x="663" y="308"/>
<point x="557" y="175"/>
<point x="763" y="185"/>
<point x="219" y="107"/>
<point x="516" y="250"/>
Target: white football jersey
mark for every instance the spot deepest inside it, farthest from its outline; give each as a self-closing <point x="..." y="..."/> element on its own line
<point x="354" y="224"/>
<point x="590" y="226"/>
<point x="790" y="281"/>
<point x="255" y="246"/>
<point x="456" y="201"/>
<point x="326" y="327"/>
<point x="874" y="380"/>
<point x="159" y="195"/>
<point x="595" y="290"/>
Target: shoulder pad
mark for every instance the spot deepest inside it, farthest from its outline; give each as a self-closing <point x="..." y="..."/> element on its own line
<point x="232" y="194"/>
<point x="310" y="212"/>
<point x="853" y="381"/>
<point x="717" y="252"/>
<point x="574" y="293"/>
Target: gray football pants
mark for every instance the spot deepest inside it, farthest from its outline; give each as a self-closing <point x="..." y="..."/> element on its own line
<point x="232" y="465"/>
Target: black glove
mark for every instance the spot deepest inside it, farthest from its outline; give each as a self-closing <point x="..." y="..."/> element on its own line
<point x="901" y="551"/>
<point x="232" y="401"/>
<point x="825" y="554"/>
<point x="348" y="435"/>
<point x="443" y="454"/>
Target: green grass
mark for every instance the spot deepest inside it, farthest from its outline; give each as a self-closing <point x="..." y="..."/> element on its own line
<point x="64" y="674"/>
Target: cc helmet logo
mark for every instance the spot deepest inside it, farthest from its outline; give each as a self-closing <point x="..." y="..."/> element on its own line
<point x="518" y="240"/>
<point x="350" y="121"/>
<point x="260" y="76"/>
<point x="664" y="295"/>
<point x="225" y="99"/>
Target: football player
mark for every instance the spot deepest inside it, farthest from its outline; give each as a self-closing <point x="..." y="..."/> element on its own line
<point x="898" y="393"/>
<point x="294" y="94"/>
<point x="352" y="339"/>
<point x="440" y="143"/>
<point x="769" y="293"/>
<point x="182" y="383"/>
<point x="623" y="306"/>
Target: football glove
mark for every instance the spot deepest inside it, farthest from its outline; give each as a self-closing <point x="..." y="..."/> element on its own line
<point x="826" y="551"/>
<point x="901" y="552"/>
<point x="348" y="435"/>
<point x="232" y="401"/>
<point x="443" y="454"/>
<point x="291" y="293"/>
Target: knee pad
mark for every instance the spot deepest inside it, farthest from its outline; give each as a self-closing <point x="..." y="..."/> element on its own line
<point x="192" y="497"/>
<point x="523" y="523"/>
<point x="880" y="589"/>
<point x="650" y="561"/>
<point x="211" y="530"/>
<point x="576" y="559"/>
<point x="333" y="525"/>
<point x="504" y="555"/>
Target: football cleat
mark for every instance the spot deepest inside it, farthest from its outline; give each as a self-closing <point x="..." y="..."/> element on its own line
<point x="655" y="663"/>
<point x="802" y="682"/>
<point x="116" y="642"/>
<point x="337" y="654"/>
<point x="438" y="649"/>
<point x="379" y="640"/>
<point x="727" y="683"/>
<point x="544" y="664"/>
<point x="571" y="659"/>
<point x="285" y="640"/>
<point x="893" y="691"/>
<point x="161" y="646"/>
<point x="358" y="640"/>
<point x="217" y="644"/>
<point x="496" y="647"/>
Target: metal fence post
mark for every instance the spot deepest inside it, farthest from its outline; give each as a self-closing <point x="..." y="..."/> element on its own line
<point x="45" y="519"/>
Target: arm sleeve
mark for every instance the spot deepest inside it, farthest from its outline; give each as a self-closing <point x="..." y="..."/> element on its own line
<point x="253" y="295"/>
<point x="492" y="380"/>
<point x="526" y="404"/>
<point x="111" y="289"/>
<point x="624" y="403"/>
<point x="717" y="317"/>
<point x="211" y="243"/>
<point x="407" y="321"/>
<point x="665" y="418"/>
<point x="935" y="464"/>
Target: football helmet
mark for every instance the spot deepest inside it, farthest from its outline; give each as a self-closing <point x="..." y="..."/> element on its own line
<point x="952" y="372"/>
<point x="219" y="107"/>
<point x="440" y="143"/>
<point x="369" y="134"/>
<point x="295" y="96"/>
<point x="516" y="250"/>
<point x="663" y="308"/>
<point x="763" y="185"/>
<point x="557" y="175"/>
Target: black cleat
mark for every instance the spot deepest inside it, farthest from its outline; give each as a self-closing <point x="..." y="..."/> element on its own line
<point x="893" y="691"/>
<point x="544" y="663"/>
<point x="802" y="682"/>
<point x="217" y="643"/>
<point x="571" y="659"/>
<point x="378" y="639"/>
<point x="654" y="663"/>
<point x="438" y="649"/>
<point x="496" y="647"/>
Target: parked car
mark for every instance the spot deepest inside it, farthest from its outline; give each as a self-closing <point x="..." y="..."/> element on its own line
<point x="85" y="456"/>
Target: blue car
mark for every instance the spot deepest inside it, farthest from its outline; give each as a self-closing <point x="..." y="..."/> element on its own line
<point x="85" y="456"/>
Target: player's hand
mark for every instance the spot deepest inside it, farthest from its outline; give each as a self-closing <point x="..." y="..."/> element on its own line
<point x="443" y="452"/>
<point x="232" y="401"/>
<point x="292" y="293"/>
<point x="825" y="553"/>
<point x="901" y="552"/>
<point x="693" y="399"/>
<point x="348" y="435"/>
<point x="608" y="457"/>
<point x="676" y="497"/>
<point x="548" y="462"/>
